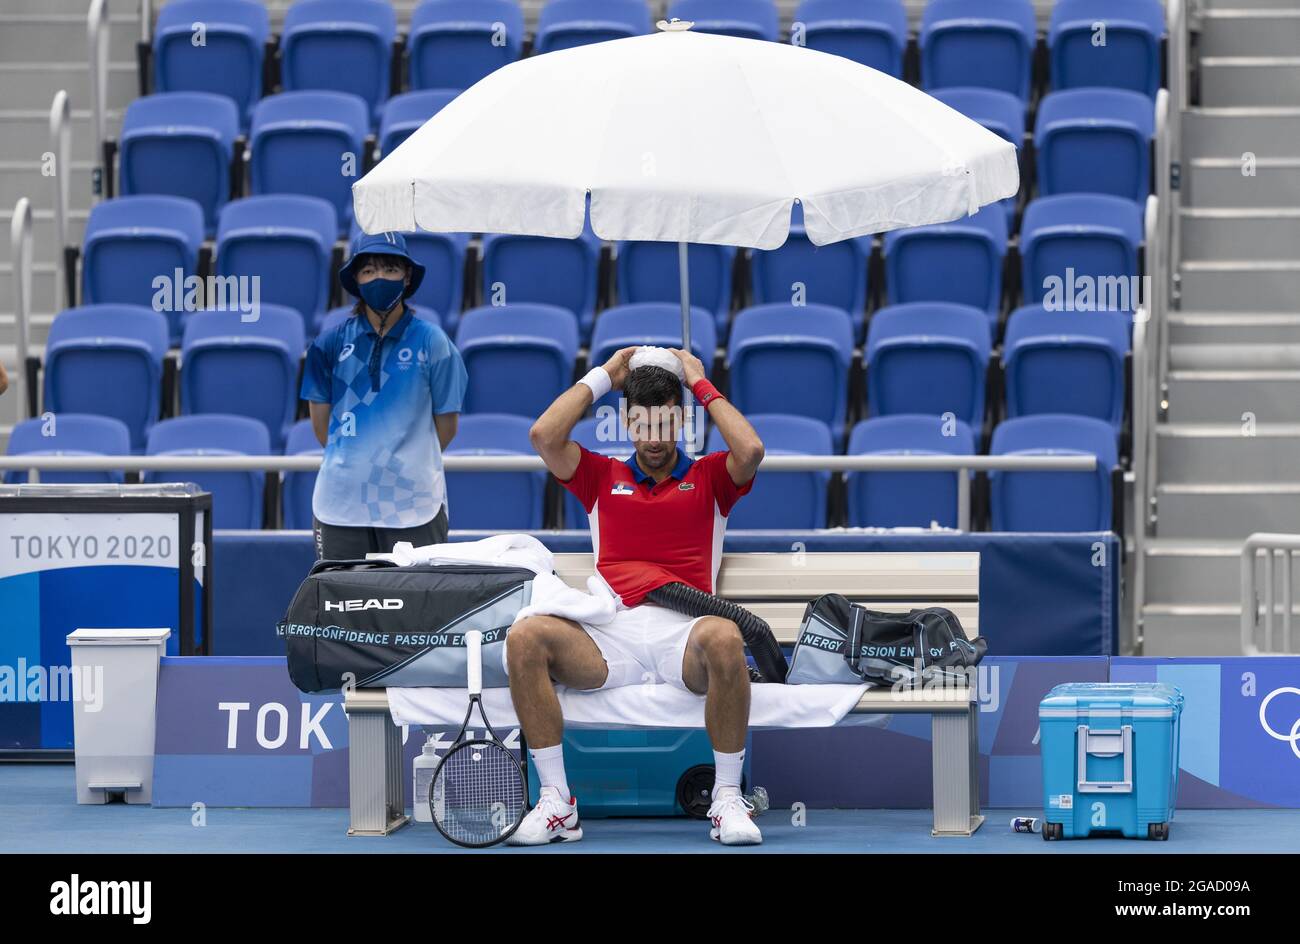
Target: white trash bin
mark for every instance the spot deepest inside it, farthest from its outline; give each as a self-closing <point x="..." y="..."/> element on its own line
<point x="115" y="689"/>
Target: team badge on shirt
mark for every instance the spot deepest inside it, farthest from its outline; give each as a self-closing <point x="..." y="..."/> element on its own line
<point x="622" y="488"/>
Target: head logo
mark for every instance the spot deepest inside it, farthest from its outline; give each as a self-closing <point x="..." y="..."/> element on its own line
<point x="1294" y="737"/>
<point x="347" y="351"/>
<point x="351" y="606"/>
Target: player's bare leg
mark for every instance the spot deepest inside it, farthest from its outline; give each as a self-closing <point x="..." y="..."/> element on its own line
<point x="544" y="650"/>
<point x="541" y="651"/>
<point x="714" y="666"/>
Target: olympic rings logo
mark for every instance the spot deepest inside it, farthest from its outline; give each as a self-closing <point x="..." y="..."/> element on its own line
<point x="1294" y="737"/>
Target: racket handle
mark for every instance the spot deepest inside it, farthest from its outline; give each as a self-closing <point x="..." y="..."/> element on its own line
<point x="474" y="660"/>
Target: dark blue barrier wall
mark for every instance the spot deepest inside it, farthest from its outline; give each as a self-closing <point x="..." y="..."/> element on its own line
<point x="1040" y="594"/>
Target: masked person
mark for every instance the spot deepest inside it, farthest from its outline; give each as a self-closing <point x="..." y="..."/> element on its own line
<point x="385" y="391"/>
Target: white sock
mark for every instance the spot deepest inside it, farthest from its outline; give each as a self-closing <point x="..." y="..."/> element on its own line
<point x="549" y="762"/>
<point x="727" y="771"/>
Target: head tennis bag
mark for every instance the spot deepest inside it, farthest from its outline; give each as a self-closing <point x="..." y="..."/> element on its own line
<point x="842" y="642"/>
<point x="389" y="626"/>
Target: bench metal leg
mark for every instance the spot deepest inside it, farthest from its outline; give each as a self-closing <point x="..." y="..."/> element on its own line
<point x="955" y="758"/>
<point x="377" y="806"/>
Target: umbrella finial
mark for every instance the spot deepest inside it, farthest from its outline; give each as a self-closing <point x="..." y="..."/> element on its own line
<point x="675" y="25"/>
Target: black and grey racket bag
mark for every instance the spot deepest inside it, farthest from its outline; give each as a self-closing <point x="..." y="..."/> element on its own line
<point x="373" y="624"/>
<point x="842" y="642"/>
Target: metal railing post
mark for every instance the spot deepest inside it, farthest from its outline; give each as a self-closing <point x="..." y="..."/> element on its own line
<point x="61" y="147"/>
<point x="20" y="235"/>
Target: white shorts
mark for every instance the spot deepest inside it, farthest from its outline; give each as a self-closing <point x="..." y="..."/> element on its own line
<point x="645" y="644"/>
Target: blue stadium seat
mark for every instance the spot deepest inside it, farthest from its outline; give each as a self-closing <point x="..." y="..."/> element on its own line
<point x="339" y="46"/>
<point x="1130" y="56"/>
<point x="454" y="43"/>
<point x="564" y="24"/>
<point x="131" y="241"/>
<point x="928" y="357"/>
<point x="506" y="501"/>
<point x="1074" y="244"/>
<point x="654" y="323"/>
<point x="1066" y="362"/>
<point x="107" y="360"/>
<point x="302" y="143"/>
<point x="792" y="359"/>
<point x="229" y="62"/>
<point x="984" y="43"/>
<point x="1053" y="501"/>
<point x="906" y="499"/>
<point x="544" y="271"/>
<point x="299" y="486"/>
<point x="329" y="320"/>
<point x="794" y="500"/>
<point x="647" y="272"/>
<point x="236" y="496"/>
<point x="69" y="434"/>
<point x="750" y="19"/>
<point x="835" y="274"/>
<point x="243" y="368"/>
<point x="180" y="144"/>
<point x="404" y="114"/>
<point x="519" y="357"/>
<point x="1094" y="140"/>
<point x="872" y="32"/>
<point x="286" y="241"/>
<point x="1000" y="112"/>
<point x="969" y="252"/>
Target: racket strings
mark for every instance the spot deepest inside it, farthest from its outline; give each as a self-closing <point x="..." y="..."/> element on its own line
<point x="478" y="793"/>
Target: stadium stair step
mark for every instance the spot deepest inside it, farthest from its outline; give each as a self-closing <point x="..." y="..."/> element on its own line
<point x="1249" y="80"/>
<point x="1250" y="32"/>
<point x="1191" y="630"/>
<point x="1216" y="328"/>
<point x="1241" y="233"/>
<point x="1225" y="396"/>
<point x="1227" y="510"/>
<point x="1228" y="453"/>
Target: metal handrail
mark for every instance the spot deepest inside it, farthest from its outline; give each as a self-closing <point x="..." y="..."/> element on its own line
<point x="20" y="247"/>
<point x="97" y="28"/>
<point x="61" y="147"/>
<point x="146" y="21"/>
<point x="1273" y="546"/>
<point x="962" y="465"/>
<point x="525" y="463"/>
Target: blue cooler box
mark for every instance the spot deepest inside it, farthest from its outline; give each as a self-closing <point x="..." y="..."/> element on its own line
<point x="1110" y="759"/>
<point x="656" y="772"/>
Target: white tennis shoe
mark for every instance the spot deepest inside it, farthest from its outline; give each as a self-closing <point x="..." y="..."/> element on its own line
<point x="551" y="820"/>
<point x="732" y="818"/>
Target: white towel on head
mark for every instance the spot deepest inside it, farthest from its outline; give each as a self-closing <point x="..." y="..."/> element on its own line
<point x="646" y="356"/>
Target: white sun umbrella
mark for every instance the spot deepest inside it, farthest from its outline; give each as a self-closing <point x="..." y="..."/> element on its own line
<point x="690" y="138"/>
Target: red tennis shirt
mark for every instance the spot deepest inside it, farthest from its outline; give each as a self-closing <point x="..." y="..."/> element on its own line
<point x="645" y="534"/>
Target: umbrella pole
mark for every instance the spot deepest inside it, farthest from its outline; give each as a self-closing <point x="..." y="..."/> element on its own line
<point x="688" y="401"/>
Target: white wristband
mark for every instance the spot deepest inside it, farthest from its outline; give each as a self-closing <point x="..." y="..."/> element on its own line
<point x="598" y="380"/>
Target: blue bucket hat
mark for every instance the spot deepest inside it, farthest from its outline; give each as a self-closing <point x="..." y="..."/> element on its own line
<point x="379" y="244"/>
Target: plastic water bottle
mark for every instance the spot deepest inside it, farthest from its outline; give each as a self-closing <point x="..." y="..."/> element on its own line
<point x="1026" y="824"/>
<point x="424" y="765"/>
<point x="758" y="800"/>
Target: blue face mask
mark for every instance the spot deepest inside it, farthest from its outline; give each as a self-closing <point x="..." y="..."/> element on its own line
<point x="382" y="294"/>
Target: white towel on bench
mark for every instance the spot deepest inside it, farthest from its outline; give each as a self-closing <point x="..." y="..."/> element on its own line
<point x="639" y="706"/>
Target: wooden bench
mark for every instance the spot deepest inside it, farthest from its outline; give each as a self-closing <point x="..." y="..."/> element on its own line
<point x="775" y="586"/>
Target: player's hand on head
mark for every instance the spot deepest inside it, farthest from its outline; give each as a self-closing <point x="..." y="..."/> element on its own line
<point x="617" y="366"/>
<point x="691" y="364"/>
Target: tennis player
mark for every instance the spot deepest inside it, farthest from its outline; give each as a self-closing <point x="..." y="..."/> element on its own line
<point x="656" y="518"/>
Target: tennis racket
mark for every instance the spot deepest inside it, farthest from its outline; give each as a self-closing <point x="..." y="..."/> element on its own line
<point x="477" y="797"/>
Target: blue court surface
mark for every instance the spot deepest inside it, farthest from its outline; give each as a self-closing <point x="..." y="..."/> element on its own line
<point x="38" y="813"/>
